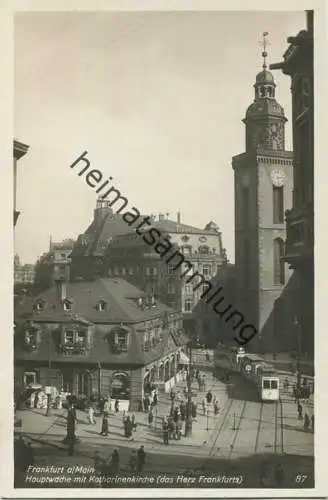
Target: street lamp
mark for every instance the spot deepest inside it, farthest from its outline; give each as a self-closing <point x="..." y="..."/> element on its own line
<point x="188" y="429"/>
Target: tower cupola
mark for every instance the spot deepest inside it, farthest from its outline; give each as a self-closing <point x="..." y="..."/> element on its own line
<point x="265" y="117"/>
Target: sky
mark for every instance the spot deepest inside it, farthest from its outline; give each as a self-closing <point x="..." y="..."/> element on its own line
<point x="156" y="98"/>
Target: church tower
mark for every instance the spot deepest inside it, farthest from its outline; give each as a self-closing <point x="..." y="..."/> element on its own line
<point x="263" y="191"/>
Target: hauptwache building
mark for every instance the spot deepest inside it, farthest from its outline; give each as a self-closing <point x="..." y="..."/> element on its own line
<point x="102" y="338"/>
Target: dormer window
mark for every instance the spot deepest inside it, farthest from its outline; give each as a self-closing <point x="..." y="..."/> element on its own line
<point x="120" y="340"/>
<point x="31" y="336"/>
<point x="101" y="306"/>
<point x="67" y="304"/>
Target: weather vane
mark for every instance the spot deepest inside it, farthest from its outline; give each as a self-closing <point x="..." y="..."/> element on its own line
<point x="264" y="42"/>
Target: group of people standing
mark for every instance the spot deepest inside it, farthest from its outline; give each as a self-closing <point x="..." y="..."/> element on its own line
<point x="301" y="395"/>
<point x="112" y="466"/>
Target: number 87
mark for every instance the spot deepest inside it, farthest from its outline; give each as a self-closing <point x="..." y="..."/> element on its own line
<point x="300" y="478"/>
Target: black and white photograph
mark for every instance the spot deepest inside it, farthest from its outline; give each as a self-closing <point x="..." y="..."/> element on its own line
<point x="163" y="262"/>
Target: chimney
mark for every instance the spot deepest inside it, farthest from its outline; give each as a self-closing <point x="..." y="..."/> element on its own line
<point x="160" y="217"/>
<point x="179" y="218"/>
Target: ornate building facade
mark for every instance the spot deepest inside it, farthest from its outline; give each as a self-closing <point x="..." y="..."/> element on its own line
<point x="103" y="338"/>
<point x="263" y="191"/>
<point x="298" y="64"/>
<point x="131" y="258"/>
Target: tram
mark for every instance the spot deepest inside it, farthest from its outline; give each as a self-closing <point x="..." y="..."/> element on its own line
<point x="261" y="374"/>
<point x="251" y="367"/>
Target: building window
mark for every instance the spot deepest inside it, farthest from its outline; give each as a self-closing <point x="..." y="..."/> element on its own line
<point x="68" y="337"/>
<point x="206" y="269"/>
<point x="110" y="271"/>
<point x="204" y="249"/>
<point x="278" y="204"/>
<point x="186" y="249"/>
<point x="188" y="305"/>
<point x="123" y="271"/>
<point x="31" y="338"/>
<point x="131" y="271"/>
<point x="278" y="264"/>
<point x="116" y="271"/>
<point x="80" y="339"/>
<point x="188" y="289"/>
<point x="170" y="288"/>
<point x="245" y="207"/>
<point x="170" y="269"/>
<point x="246" y="264"/>
<point x="152" y="271"/>
<point x="121" y="341"/>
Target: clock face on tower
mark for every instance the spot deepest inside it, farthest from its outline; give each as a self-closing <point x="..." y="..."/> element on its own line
<point x="278" y="177"/>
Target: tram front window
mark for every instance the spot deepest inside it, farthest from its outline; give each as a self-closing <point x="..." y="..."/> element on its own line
<point x="266" y="384"/>
<point x="274" y="384"/>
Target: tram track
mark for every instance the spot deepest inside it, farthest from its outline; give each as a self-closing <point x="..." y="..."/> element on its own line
<point x="237" y="429"/>
<point x="257" y="438"/>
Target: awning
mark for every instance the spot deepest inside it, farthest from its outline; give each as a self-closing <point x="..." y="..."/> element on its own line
<point x="184" y="360"/>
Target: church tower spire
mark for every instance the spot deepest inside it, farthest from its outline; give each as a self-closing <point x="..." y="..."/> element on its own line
<point x="265" y="118"/>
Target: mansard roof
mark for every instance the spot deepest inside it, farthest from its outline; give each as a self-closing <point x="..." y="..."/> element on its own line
<point x="120" y="296"/>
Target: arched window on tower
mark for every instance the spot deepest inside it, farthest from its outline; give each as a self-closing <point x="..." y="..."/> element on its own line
<point x="278" y="264"/>
<point x="278" y="204"/>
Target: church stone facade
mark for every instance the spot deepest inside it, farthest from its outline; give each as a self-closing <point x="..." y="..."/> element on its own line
<point x="263" y="191"/>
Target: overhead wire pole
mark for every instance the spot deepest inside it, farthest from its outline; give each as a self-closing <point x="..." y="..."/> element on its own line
<point x="188" y="429"/>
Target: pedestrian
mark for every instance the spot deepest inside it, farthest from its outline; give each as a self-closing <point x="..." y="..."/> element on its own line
<point x="32" y="400"/>
<point x="215" y="407"/>
<point x="133" y="422"/>
<point x="193" y="410"/>
<point x="179" y="429"/>
<point x="286" y="384"/>
<point x="125" y="427"/>
<point x="279" y="474"/>
<point x="306" y="422"/>
<point x="209" y="397"/>
<point x="70" y="424"/>
<point x="115" y="462"/>
<point x="312" y="423"/>
<point x="104" y="425"/>
<point x="165" y="432"/>
<point x="204" y="406"/>
<point x="128" y="426"/>
<point x="170" y="427"/>
<point x="117" y="406"/>
<point x="141" y="458"/>
<point x="150" y="417"/>
<point x="146" y="403"/>
<point x="91" y="415"/>
<point x="106" y="407"/>
<point x="155" y="399"/>
<point x="300" y="411"/>
<point x="304" y="383"/>
<point x="133" y="460"/>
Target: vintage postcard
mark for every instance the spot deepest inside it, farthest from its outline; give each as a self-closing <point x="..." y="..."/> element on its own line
<point x="163" y="283"/>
